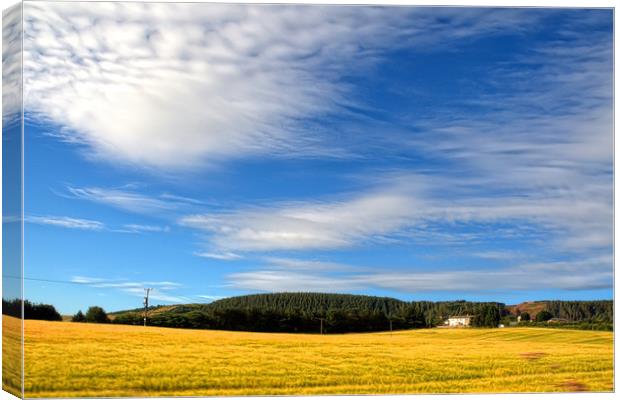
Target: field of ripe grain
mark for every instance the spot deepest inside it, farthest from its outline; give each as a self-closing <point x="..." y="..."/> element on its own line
<point x="70" y="359"/>
<point x="11" y="355"/>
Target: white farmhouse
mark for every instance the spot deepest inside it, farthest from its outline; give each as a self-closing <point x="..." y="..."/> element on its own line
<point x="459" y="320"/>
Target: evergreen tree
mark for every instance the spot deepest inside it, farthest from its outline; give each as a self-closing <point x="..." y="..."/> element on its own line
<point x="543" y="316"/>
<point x="97" y="315"/>
<point x="78" y="317"/>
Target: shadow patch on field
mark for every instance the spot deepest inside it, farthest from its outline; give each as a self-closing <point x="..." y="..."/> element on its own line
<point x="533" y="355"/>
<point x="573" y="386"/>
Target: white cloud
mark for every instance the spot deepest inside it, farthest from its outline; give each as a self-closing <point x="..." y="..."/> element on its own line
<point x="11" y="65"/>
<point x="129" y="86"/>
<point x="180" y="85"/>
<point x="123" y="199"/>
<point x="67" y="222"/>
<point x="396" y="212"/>
<point x="210" y="298"/>
<point x="536" y="156"/>
<point x="129" y="199"/>
<point x="161" y="289"/>
<point x="572" y="275"/>
<point x="498" y="255"/>
<point x="306" y="225"/>
<point x="220" y="256"/>
<point x="92" y="225"/>
<point x="295" y="264"/>
<point x="278" y="281"/>
<point x="138" y="228"/>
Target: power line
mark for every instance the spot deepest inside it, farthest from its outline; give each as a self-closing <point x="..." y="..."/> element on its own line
<point x="49" y="280"/>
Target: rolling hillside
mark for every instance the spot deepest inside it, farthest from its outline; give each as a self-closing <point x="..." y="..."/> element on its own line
<point x="530" y="307"/>
<point x="341" y="313"/>
<point x="312" y="313"/>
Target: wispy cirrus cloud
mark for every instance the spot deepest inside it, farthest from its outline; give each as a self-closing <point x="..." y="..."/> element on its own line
<point x="532" y="162"/>
<point x="209" y="298"/>
<point x="66" y="222"/>
<point x="139" y="228"/>
<point x="219" y="256"/>
<point x="315" y="225"/>
<point x="162" y="290"/>
<point x="581" y="274"/>
<point x="129" y="199"/>
<point x="528" y="158"/>
<point x="12" y="36"/>
<point x="297" y="264"/>
<point x="92" y="225"/>
<point x="123" y="199"/>
<point x="235" y="82"/>
<point x="399" y="213"/>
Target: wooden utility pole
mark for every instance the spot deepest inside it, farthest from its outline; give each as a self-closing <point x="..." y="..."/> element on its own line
<point x="321" y="319"/>
<point x="146" y="303"/>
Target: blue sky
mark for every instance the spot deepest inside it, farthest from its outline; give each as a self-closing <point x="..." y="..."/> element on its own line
<point x="215" y="150"/>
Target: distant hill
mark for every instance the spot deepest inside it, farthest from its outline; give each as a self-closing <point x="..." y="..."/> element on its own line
<point x="530" y="307"/>
<point x="306" y="312"/>
<point x="582" y="310"/>
<point x="314" y="303"/>
<point x="341" y="313"/>
<point x="155" y="310"/>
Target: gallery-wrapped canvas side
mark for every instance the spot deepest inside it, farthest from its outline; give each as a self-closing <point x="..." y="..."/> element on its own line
<point x="12" y="202"/>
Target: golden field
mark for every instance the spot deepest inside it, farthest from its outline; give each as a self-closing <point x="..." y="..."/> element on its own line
<point x="69" y="359"/>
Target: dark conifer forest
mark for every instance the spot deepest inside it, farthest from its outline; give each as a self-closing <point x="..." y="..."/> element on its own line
<point x="333" y="313"/>
<point x="342" y="313"/>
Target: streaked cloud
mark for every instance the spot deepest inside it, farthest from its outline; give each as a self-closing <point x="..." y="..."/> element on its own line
<point x="138" y="228"/>
<point x="66" y="222"/>
<point x="583" y="274"/>
<point x="530" y="163"/>
<point x="316" y="225"/>
<point x="162" y="290"/>
<point x="92" y="225"/>
<point x="12" y="37"/>
<point x="219" y="256"/>
<point x="526" y="160"/>
<point x="122" y="199"/>
<point x="296" y="264"/>
<point x="210" y="298"/>
<point x="236" y="81"/>
<point x="399" y="213"/>
<point x="132" y="200"/>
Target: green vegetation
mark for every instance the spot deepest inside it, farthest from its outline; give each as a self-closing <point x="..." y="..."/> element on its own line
<point x="581" y="325"/>
<point x="600" y="311"/>
<point x="97" y="315"/>
<point x="342" y="313"/>
<point x="488" y="316"/>
<point x="31" y="310"/>
<point x="78" y="317"/>
<point x="543" y="316"/>
<point x="303" y="312"/>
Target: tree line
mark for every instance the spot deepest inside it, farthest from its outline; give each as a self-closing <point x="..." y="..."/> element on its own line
<point x="337" y="313"/>
<point x="48" y="312"/>
<point x="31" y="310"/>
<point x="307" y="312"/>
<point x="585" y="311"/>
